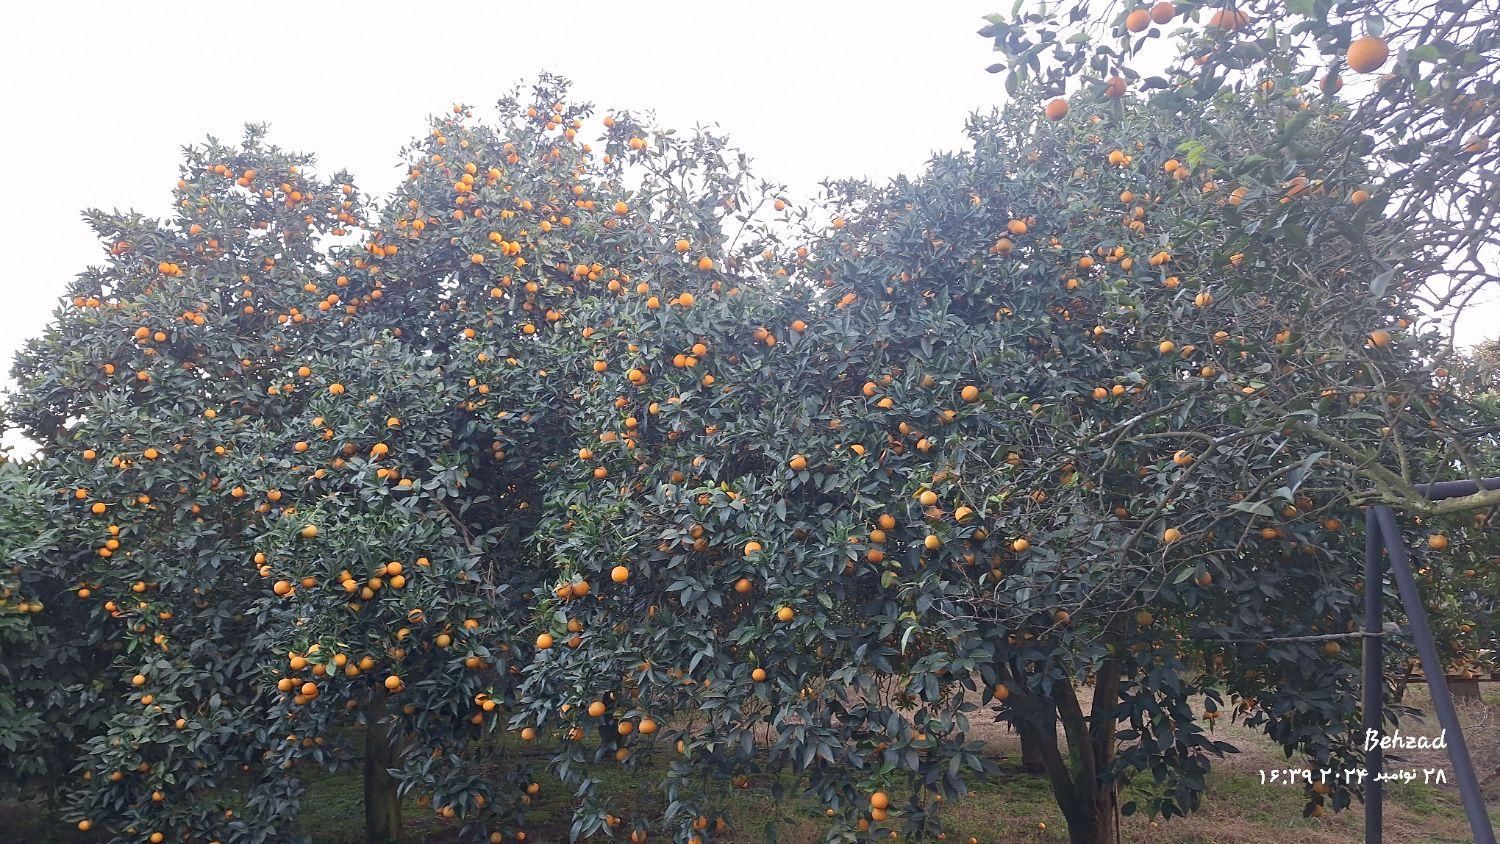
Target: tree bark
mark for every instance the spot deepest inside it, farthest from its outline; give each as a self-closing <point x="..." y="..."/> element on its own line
<point x="382" y="805"/>
<point x="1031" y="754"/>
<point x="1081" y="782"/>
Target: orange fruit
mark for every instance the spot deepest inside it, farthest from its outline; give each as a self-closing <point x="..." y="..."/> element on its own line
<point x="1138" y="20"/>
<point x="1367" y="54"/>
<point x="1163" y="12"/>
<point x="1057" y="109"/>
<point x="1229" y="20"/>
<point x="619" y="574"/>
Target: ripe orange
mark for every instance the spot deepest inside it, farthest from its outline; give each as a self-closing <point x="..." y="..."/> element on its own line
<point x="1171" y="535"/>
<point x="1057" y="109"/>
<point x="797" y="463"/>
<point x="1138" y="20"/>
<point x="393" y="682"/>
<point x="597" y="709"/>
<point x="785" y="614"/>
<point x="309" y="532"/>
<point x="1163" y="12"/>
<point x="1368" y="54"/>
<point x="758" y="675"/>
<point x="879" y="800"/>
<point x="619" y="574"/>
<point x="705" y="263"/>
<point x="1380" y="338"/>
<point x="1229" y="20"/>
<point x="544" y="641"/>
<point x="1437" y="542"/>
<point x="1114" y="88"/>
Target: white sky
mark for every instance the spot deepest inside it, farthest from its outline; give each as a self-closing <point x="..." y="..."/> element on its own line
<point x="101" y="95"/>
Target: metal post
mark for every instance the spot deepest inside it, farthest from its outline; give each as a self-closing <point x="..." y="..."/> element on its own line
<point x="1453" y="489"/>
<point x="1442" y="701"/>
<point x="1373" y="688"/>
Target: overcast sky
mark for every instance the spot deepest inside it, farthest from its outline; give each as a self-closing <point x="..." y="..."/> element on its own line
<point x="99" y="97"/>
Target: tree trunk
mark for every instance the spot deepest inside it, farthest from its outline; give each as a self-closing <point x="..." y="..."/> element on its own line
<point x="382" y="805"/>
<point x="1031" y="755"/>
<point x="1464" y="688"/>
<point x="1092" y="822"/>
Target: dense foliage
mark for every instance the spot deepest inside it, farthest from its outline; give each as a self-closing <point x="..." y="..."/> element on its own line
<point x="616" y="451"/>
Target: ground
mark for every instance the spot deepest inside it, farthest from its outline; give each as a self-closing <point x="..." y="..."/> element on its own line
<point x="1010" y="808"/>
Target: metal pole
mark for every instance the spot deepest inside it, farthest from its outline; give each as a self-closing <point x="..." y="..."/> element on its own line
<point x="1442" y="700"/>
<point x="1373" y="688"/>
<point x="1453" y="489"/>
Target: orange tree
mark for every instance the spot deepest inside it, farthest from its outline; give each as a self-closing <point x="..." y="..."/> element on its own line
<point x="1096" y="400"/>
<point x="294" y="447"/>
<point x="149" y="383"/>
<point x="587" y="443"/>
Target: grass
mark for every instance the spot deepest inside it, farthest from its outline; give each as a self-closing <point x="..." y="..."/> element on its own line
<point x="1010" y="807"/>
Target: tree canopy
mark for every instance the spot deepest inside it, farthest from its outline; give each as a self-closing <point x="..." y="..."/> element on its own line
<point x="605" y="452"/>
